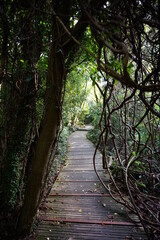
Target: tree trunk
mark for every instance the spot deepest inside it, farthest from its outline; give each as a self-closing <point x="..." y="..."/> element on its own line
<point x="47" y="137"/>
<point x="52" y="116"/>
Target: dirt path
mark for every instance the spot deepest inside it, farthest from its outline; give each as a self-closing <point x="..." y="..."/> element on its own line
<point x="78" y="207"/>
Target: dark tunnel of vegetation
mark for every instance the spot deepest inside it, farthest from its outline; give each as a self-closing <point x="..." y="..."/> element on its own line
<point x="64" y="63"/>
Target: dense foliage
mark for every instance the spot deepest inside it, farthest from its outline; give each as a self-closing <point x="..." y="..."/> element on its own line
<point x="49" y="53"/>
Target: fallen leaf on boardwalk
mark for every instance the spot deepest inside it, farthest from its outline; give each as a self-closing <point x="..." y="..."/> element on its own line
<point x="129" y="238"/>
<point x="43" y="208"/>
<point x="55" y="223"/>
<point x="90" y="190"/>
<point x="110" y="216"/>
<point x="80" y="210"/>
<point x="102" y="224"/>
<point x="103" y="204"/>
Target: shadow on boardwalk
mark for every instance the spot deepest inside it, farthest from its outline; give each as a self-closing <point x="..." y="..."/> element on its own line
<point x="78" y="206"/>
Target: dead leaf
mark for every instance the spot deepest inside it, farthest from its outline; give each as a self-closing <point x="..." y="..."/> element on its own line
<point x="90" y="191"/>
<point x="110" y="216"/>
<point x="129" y="238"/>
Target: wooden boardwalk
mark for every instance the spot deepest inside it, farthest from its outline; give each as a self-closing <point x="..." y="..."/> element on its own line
<point x="78" y="207"/>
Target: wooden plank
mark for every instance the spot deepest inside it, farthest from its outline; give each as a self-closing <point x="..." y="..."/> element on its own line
<point x="74" y="231"/>
<point x="77" y="187"/>
<point x="82" y="168"/>
<point x="82" y="175"/>
<point x="86" y="207"/>
<point x="63" y="220"/>
<point x="79" y="181"/>
<point x="81" y="195"/>
<point x="81" y="157"/>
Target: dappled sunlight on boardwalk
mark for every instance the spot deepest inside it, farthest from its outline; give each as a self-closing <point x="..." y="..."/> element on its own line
<point x="78" y="206"/>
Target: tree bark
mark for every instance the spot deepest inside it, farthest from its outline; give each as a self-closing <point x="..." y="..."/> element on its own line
<point x="47" y="137"/>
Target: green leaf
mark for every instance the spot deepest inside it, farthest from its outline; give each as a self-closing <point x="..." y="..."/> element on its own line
<point x="140" y="184"/>
<point x="133" y="153"/>
<point x="130" y="65"/>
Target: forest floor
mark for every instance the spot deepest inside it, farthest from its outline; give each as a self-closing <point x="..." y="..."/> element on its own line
<point x="78" y="206"/>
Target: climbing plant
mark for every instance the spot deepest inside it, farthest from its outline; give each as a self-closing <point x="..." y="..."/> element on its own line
<point x="129" y="119"/>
